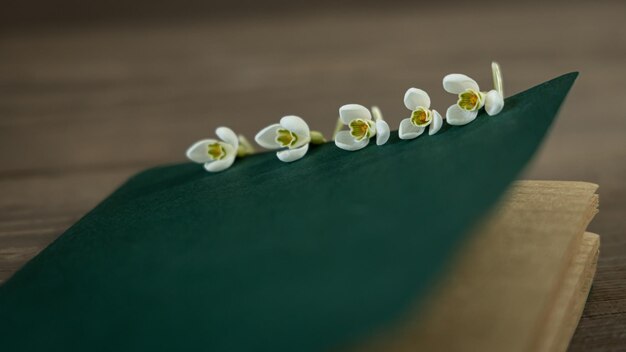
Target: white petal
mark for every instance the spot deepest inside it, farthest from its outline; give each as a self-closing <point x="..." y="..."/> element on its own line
<point x="382" y="132"/>
<point x="345" y="141"/>
<point x="408" y="130"/>
<point x="414" y="98"/>
<point x="231" y="151"/>
<point x="457" y="83"/>
<point x="350" y="112"/>
<point x="219" y="165"/>
<point x="228" y="136"/>
<point x="435" y="126"/>
<point x="289" y="155"/>
<point x="456" y="116"/>
<point x="198" y="152"/>
<point x="298" y="126"/>
<point x="266" y="137"/>
<point x="493" y="102"/>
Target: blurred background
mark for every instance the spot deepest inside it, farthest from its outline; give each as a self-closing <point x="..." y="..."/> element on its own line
<point x="94" y="91"/>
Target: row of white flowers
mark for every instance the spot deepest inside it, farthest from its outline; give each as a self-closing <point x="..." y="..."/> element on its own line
<point x="292" y="136"/>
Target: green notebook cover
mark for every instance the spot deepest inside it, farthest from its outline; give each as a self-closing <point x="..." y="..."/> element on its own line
<point x="267" y="256"/>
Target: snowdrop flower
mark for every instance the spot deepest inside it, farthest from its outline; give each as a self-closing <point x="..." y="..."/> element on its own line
<point x="362" y="127"/>
<point x="219" y="155"/>
<point x="418" y="102"/>
<point x="292" y="135"/>
<point x="471" y="99"/>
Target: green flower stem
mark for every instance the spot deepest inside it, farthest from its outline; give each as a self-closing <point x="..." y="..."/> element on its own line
<point x="338" y="127"/>
<point x="497" y="78"/>
<point x="317" y="137"/>
<point x="245" y="147"/>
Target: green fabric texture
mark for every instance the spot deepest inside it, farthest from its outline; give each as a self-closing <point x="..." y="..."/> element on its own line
<point x="268" y="256"/>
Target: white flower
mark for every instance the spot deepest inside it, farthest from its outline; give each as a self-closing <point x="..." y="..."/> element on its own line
<point x="292" y="134"/>
<point x="471" y="99"/>
<point x="359" y="119"/>
<point x="418" y="102"/>
<point x="215" y="155"/>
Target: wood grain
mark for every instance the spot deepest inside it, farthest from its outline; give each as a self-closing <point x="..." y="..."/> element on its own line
<point x="82" y="107"/>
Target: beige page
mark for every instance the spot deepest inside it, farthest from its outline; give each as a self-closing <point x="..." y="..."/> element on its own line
<point x="518" y="284"/>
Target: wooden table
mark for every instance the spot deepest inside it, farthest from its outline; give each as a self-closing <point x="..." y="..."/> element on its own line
<point x="83" y="107"/>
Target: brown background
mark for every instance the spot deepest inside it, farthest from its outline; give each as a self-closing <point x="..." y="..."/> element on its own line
<point x="91" y="92"/>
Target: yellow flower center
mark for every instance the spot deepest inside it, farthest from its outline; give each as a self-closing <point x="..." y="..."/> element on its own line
<point x="216" y="151"/>
<point x="359" y="129"/>
<point x="286" y="138"/>
<point x="421" y="117"/>
<point x="469" y="100"/>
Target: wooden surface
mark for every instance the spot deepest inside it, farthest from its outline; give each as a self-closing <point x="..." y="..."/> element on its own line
<point x="82" y="107"/>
